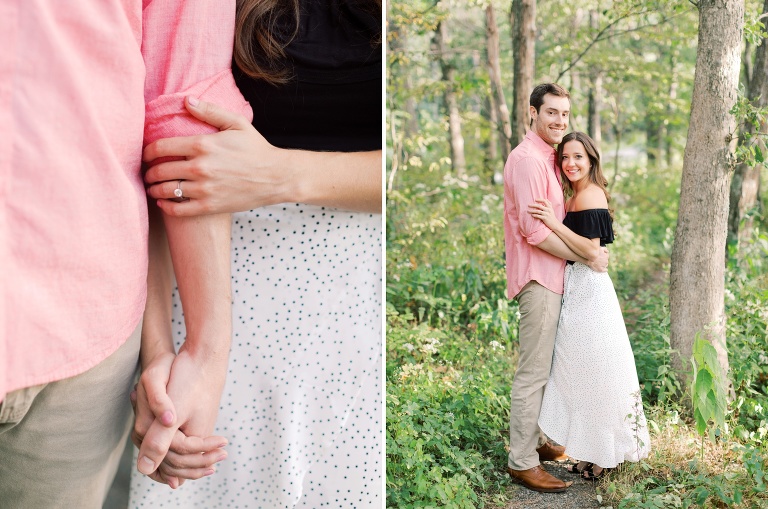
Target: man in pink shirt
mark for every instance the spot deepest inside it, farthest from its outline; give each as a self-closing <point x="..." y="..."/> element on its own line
<point x="84" y="84"/>
<point x="535" y="268"/>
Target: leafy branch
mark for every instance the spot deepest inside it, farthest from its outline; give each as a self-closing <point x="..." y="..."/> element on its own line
<point x="605" y="34"/>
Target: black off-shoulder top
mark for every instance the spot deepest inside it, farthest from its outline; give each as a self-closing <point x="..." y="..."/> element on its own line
<point x="591" y="223"/>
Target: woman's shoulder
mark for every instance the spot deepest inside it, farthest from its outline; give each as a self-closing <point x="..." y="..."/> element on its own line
<point x="591" y="197"/>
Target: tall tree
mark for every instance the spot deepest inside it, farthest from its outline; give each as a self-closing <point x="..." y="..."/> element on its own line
<point x="523" y="19"/>
<point x="594" y="94"/>
<point x="698" y="256"/>
<point x="451" y="100"/>
<point x="745" y="185"/>
<point x="498" y="101"/>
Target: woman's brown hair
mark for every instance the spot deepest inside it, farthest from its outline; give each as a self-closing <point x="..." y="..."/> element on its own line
<point x="263" y="28"/>
<point x="595" y="169"/>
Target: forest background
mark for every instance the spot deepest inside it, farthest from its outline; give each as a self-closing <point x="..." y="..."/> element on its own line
<point x="457" y="74"/>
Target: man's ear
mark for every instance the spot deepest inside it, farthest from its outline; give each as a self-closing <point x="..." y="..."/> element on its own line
<point x="532" y="111"/>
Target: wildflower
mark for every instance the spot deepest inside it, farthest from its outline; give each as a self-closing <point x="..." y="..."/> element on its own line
<point x="495" y="345"/>
<point x="408" y="347"/>
<point x="430" y="346"/>
<point x="409" y="370"/>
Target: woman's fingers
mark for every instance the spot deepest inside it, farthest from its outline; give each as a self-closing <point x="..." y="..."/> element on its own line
<point x="215" y="115"/>
<point x="183" y="146"/>
<point x="182" y="444"/>
<point x="192" y="466"/>
<point x="185" y="208"/>
<point x="170" y="170"/>
<point x="171" y="190"/>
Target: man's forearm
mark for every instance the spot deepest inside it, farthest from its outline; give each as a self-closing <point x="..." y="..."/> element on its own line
<point x="555" y="246"/>
<point x="200" y="249"/>
<point x="156" y="332"/>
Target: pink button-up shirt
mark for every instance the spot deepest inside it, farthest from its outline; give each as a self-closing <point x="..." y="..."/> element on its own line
<point x="530" y="173"/>
<point x="76" y="78"/>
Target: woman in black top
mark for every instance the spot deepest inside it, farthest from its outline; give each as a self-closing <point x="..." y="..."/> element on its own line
<point x="301" y="408"/>
<point x="592" y="401"/>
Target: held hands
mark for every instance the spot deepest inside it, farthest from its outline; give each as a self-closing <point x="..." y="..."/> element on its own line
<point x="233" y="170"/>
<point x="176" y="402"/>
<point x="542" y="210"/>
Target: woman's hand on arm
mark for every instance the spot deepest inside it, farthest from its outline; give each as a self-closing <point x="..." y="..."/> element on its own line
<point x="236" y="169"/>
<point x="587" y="249"/>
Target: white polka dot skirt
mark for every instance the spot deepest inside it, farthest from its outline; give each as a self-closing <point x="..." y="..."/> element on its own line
<point x="592" y="402"/>
<point x="302" y="403"/>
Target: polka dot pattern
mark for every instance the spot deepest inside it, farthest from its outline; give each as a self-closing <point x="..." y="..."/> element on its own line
<point x="301" y="406"/>
<point x="593" y="385"/>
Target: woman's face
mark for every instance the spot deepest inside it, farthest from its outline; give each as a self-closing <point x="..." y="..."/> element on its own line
<point x="575" y="161"/>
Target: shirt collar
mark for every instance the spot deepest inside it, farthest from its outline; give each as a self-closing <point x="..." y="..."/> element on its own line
<point x="542" y="146"/>
<point x="545" y="149"/>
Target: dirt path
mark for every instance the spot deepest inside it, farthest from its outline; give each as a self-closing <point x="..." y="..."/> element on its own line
<point x="581" y="495"/>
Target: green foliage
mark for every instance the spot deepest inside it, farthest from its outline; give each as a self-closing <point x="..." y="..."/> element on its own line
<point x="751" y="141"/>
<point x="708" y="392"/>
<point x="754" y="27"/>
<point x="450" y="344"/>
<point x="447" y="401"/>
<point x="747" y="335"/>
<point x="692" y="486"/>
<point x="650" y="343"/>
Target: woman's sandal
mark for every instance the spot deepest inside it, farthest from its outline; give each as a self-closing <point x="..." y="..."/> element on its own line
<point x="590" y="474"/>
<point x="574" y="467"/>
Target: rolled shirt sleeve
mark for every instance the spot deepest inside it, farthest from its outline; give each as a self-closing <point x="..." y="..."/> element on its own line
<point x="187" y="49"/>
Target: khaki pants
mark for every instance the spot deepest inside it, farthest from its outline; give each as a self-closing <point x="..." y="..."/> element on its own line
<point x="60" y="442"/>
<point x="539" y="314"/>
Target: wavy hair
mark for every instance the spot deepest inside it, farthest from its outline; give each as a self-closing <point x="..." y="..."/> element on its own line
<point x="595" y="168"/>
<point x="263" y="28"/>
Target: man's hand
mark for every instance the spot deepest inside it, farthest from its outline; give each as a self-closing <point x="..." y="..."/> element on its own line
<point x="168" y="434"/>
<point x="601" y="263"/>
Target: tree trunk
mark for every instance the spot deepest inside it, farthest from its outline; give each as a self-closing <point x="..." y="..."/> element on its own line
<point x="673" y="86"/>
<point x="652" y="138"/>
<point x="492" y="150"/>
<point x="398" y="43"/>
<point x="746" y="180"/>
<point x="523" y="20"/>
<point x="698" y="256"/>
<point x="594" y="128"/>
<point x="498" y="102"/>
<point x="451" y="100"/>
<point x="747" y="64"/>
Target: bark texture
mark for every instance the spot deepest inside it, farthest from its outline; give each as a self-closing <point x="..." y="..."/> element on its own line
<point x="745" y="186"/>
<point x="698" y="256"/>
<point x="523" y="20"/>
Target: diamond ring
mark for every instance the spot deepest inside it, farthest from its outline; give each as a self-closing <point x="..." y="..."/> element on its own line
<point x="177" y="192"/>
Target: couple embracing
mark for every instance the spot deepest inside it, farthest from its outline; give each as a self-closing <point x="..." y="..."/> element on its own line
<point x="576" y="380"/>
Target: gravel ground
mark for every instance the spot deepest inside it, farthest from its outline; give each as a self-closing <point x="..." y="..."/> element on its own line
<point x="581" y="495"/>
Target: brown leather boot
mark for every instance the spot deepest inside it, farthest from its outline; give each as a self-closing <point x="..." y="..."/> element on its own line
<point x="551" y="452"/>
<point x="538" y="479"/>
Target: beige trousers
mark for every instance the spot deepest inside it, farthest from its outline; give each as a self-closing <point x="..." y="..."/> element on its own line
<point x="539" y="314"/>
<point x="60" y="442"/>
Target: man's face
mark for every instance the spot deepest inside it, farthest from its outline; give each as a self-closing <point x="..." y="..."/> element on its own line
<point x="551" y="121"/>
